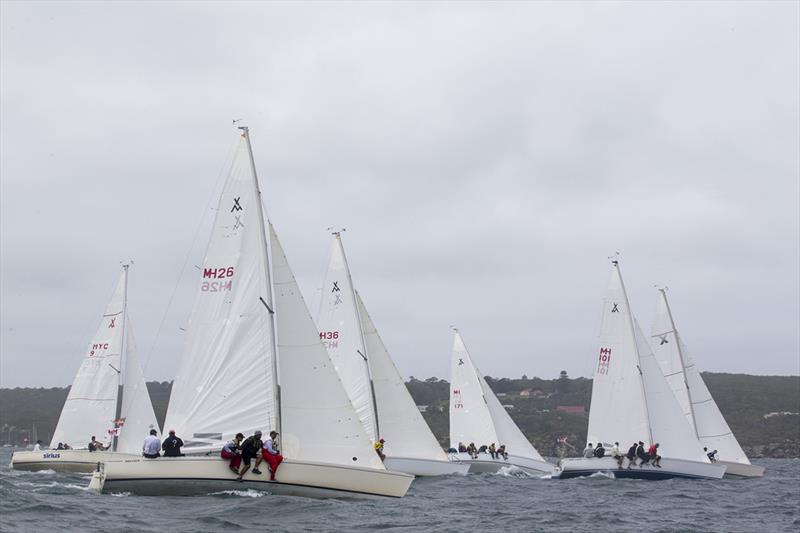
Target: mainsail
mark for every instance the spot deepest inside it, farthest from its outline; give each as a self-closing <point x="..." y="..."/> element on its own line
<point x="699" y="408"/>
<point x="340" y="330"/>
<point x="476" y="415"/>
<point x="91" y="406"/>
<point x="253" y="358"/>
<point x="631" y="400"/>
<point x="225" y="380"/>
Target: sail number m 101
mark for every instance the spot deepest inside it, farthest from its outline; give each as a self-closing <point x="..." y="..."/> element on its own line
<point x="217" y="274"/>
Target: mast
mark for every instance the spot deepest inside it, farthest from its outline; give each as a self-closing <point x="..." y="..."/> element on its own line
<point x="275" y="380"/>
<point x="365" y="356"/>
<point x="122" y="354"/>
<point x="636" y="348"/>
<point x="683" y="361"/>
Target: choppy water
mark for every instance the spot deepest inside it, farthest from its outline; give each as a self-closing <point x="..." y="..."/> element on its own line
<point x="46" y="501"/>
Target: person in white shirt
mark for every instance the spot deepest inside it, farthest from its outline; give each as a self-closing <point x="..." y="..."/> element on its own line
<point x="38" y="446"/>
<point x="617" y="455"/>
<point x="588" y="452"/>
<point x="151" y="446"/>
<point x="270" y="453"/>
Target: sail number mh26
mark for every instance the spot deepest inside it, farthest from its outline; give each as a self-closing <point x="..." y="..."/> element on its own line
<point x="223" y="274"/>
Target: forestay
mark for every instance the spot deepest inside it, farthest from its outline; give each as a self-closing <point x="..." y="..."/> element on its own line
<point x="340" y="331"/>
<point x="319" y="422"/>
<point x="92" y="400"/>
<point x="225" y="382"/>
<point x="470" y="420"/>
<point x="699" y="408"/>
<point x="402" y="425"/>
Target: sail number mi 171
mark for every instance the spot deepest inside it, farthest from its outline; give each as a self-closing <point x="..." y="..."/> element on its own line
<point x="211" y="275"/>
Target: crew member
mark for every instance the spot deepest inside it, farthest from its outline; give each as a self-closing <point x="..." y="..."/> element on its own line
<point x="151" y="445"/>
<point x="270" y="453"/>
<point x="250" y="448"/>
<point x="233" y="451"/>
<point x="379" y="449"/>
<point x="172" y="445"/>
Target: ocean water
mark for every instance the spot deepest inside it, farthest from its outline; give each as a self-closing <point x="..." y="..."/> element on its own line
<point x="512" y="501"/>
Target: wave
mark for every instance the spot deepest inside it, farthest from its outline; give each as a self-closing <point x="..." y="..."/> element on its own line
<point x="248" y="493"/>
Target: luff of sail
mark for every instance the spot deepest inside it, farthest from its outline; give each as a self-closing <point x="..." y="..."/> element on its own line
<point x="225" y="382"/>
<point x="340" y="331"/>
<point x="402" y="425"/>
<point x="699" y="407"/>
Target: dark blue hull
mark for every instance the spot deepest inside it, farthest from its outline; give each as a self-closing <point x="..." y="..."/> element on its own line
<point x="633" y="473"/>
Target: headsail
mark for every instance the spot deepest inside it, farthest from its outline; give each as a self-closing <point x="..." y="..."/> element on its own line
<point x="137" y="414"/>
<point x="402" y="425"/>
<point x="340" y="330"/>
<point x="225" y="382"/>
<point x="92" y="400"/>
<point x="319" y="422"/>
<point x="699" y="408"/>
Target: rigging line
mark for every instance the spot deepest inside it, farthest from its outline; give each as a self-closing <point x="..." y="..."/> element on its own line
<point x="214" y="193"/>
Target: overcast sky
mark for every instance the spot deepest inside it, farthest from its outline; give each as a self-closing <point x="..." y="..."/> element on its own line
<point x="486" y="159"/>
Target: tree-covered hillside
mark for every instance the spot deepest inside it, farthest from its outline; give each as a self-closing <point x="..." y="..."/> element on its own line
<point x="761" y="410"/>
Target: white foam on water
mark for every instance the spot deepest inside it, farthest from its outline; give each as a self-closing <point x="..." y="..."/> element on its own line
<point x="249" y="493"/>
<point x="119" y="494"/>
<point x="607" y="475"/>
<point x="513" y="471"/>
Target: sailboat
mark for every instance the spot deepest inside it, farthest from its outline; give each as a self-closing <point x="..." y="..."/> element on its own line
<point x="477" y="416"/>
<point x="372" y="381"/>
<point x="108" y="399"/>
<point x="253" y="360"/>
<point x="697" y="405"/>
<point x="632" y="402"/>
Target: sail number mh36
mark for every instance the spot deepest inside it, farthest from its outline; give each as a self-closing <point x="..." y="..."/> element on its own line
<point x="221" y="273"/>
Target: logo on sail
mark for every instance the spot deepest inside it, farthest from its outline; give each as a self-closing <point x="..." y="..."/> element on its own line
<point x="236" y="205"/>
<point x="604" y="361"/>
<point x="111" y="324"/>
<point x="457" y="403"/>
<point x="615" y="309"/>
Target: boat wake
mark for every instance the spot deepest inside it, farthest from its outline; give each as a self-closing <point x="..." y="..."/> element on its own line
<point x="514" y="471"/>
<point x="604" y="475"/>
<point x="249" y="493"/>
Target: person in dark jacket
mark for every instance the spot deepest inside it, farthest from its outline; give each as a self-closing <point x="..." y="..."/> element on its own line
<point x="631" y="455"/>
<point x="642" y="455"/>
<point x="172" y="445"/>
<point x="251" y="449"/>
<point x="599" y="450"/>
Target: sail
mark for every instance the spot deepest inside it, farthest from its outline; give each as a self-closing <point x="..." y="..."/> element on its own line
<point x="318" y="421"/>
<point x="508" y="433"/>
<point x="225" y="382"/>
<point x="690" y="390"/>
<point x="340" y="331"/>
<point x="470" y="420"/>
<point x="137" y="409"/>
<point x="402" y="425"/>
<point x="668" y="424"/>
<point x="618" y="411"/>
<point x="92" y="400"/>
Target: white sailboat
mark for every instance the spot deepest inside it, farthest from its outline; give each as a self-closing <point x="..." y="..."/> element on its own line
<point x="253" y="360"/>
<point x="108" y="399"/>
<point x="477" y="416"/>
<point x="699" y="408"/>
<point x="372" y="381"/>
<point x="632" y="402"/>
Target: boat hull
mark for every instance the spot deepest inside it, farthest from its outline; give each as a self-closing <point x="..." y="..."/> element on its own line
<point x="187" y="476"/>
<point x="82" y="461"/>
<point x="484" y="464"/>
<point x="740" y="470"/>
<point x="670" y="468"/>
<point x="425" y="467"/>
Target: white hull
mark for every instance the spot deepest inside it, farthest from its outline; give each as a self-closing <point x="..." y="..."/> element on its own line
<point x="741" y="470"/>
<point x="670" y="468"/>
<point x="185" y="476"/>
<point x="65" y="460"/>
<point x="484" y="464"/>
<point x="425" y="467"/>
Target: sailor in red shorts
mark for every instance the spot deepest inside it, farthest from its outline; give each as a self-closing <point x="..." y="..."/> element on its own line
<point x="270" y="453"/>
<point x="233" y="451"/>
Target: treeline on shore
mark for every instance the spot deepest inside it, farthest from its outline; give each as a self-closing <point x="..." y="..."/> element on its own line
<point x="761" y="410"/>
